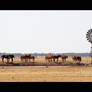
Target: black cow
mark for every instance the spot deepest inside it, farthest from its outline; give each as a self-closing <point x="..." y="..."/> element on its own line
<point x="8" y="57"/>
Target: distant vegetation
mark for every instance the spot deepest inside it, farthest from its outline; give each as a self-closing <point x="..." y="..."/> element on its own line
<point x="44" y="54"/>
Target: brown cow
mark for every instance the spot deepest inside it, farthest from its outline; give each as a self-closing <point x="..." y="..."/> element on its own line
<point x="76" y="58"/>
<point x="56" y="57"/>
<point x="64" y="57"/>
<point x="25" y="57"/>
<point x="49" y="57"/>
<point x="33" y="58"/>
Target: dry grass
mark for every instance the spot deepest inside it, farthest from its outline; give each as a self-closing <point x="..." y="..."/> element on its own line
<point x="43" y="62"/>
<point x="44" y="74"/>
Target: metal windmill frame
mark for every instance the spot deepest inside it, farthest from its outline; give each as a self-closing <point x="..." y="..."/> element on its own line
<point x="89" y="38"/>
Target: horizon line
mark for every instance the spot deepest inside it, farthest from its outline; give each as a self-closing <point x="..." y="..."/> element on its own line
<point x="43" y="52"/>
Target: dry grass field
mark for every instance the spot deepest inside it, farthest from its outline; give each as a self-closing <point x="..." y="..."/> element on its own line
<point x="43" y="62"/>
<point x="69" y="73"/>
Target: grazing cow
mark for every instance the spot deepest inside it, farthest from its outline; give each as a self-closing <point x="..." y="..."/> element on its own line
<point x="49" y="57"/>
<point x="64" y="57"/>
<point x="76" y="58"/>
<point x="8" y="57"/>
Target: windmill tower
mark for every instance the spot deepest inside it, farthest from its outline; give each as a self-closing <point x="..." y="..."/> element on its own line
<point x="89" y="38"/>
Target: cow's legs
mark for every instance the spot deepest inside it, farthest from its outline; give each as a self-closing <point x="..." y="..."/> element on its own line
<point x="54" y="60"/>
<point x="26" y="60"/>
<point x="12" y="60"/>
<point x="33" y="60"/>
<point x="62" y="60"/>
<point x="29" y="60"/>
<point x="22" y="60"/>
<point x="3" y="60"/>
<point x="49" y="60"/>
<point x="7" y="60"/>
<point x="57" y="60"/>
<point x="79" y="61"/>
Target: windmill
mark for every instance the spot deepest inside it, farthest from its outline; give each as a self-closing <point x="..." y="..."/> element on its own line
<point x="89" y="38"/>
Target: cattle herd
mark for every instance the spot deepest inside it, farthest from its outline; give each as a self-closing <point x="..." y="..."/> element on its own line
<point x="49" y="58"/>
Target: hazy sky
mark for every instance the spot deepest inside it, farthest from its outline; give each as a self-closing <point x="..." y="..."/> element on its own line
<point x="44" y="31"/>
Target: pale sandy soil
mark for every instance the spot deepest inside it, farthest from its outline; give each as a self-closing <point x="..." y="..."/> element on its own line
<point x="50" y="74"/>
<point x="43" y="74"/>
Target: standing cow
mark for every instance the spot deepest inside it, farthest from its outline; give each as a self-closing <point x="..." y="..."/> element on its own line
<point x="49" y="57"/>
<point x="8" y="57"/>
<point x="64" y="57"/>
<point x="27" y="57"/>
<point x="76" y="58"/>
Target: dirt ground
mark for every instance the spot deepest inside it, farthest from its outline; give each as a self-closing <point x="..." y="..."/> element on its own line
<point x="47" y="74"/>
<point x="43" y="74"/>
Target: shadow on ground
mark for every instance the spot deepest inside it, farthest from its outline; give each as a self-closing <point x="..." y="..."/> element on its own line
<point x="43" y="64"/>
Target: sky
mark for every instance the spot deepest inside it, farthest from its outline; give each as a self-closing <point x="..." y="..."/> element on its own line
<point x="45" y="31"/>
